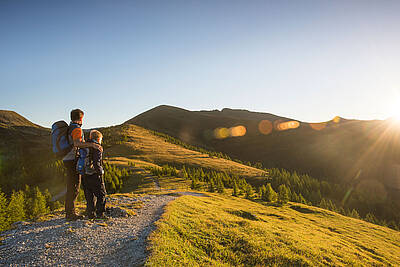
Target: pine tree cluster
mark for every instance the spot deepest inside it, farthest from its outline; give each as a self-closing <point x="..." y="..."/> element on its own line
<point x="27" y="204"/>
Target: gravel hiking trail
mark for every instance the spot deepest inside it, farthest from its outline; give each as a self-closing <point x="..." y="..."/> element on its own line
<point x="115" y="242"/>
<point x="119" y="241"/>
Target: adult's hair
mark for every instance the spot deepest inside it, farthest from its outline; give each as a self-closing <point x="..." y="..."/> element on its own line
<point x="76" y="114"/>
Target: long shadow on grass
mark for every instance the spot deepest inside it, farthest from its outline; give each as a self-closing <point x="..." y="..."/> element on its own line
<point x="304" y="210"/>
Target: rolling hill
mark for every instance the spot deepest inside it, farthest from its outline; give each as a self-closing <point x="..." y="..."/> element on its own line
<point x="339" y="150"/>
<point x="141" y="146"/>
<point x="10" y="118"/>
<point x="17" y="132"/>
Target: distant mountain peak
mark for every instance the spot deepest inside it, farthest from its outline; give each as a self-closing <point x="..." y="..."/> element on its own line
<point x="10" y="118"/>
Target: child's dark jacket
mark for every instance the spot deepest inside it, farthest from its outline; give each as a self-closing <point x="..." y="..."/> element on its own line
<point x="97" y="159"/>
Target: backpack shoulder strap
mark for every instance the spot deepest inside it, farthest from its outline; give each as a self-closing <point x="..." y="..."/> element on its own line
<point x="72" y="126"/>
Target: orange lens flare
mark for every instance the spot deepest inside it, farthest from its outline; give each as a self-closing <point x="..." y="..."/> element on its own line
<point x="221" y="133"/>
<point x="283" y="126"/>
<point x="237" y="131"/>
<point x="265" y="127"/>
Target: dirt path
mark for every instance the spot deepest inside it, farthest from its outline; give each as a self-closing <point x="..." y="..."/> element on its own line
<point x="117" y="242"/>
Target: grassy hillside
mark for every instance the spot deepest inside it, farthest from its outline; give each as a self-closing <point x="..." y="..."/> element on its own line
<point x="131" y="143"/>
<point x="25" y="153"/>
<point x="10" y="118"/>
<point x="337" y="150"/>
<point x="219" y="230"/>
<point x="17" y="133"/>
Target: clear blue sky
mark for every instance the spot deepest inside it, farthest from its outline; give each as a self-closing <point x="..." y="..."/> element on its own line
<point x="309" y="60"/>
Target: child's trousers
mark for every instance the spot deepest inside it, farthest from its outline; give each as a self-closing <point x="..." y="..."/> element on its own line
<point x="95" y="194"/>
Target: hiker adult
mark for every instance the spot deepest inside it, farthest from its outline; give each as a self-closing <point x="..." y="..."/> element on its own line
<point x="75" y="135"/>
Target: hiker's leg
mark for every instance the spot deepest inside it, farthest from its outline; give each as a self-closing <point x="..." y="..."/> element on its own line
<point x="100" y="193"/>
<point x="88" y="196"/>
<point x="73" y="184"/>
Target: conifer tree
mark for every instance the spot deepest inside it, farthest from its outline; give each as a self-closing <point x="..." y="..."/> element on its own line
<point x="242" y="185"/>
<point x="201" y="174"/>
<point x="184" y="173"/>
<point x="28" y="193"/>
<point x="302" y="199"/>
<point x="294" y="197"/>
<point x="370" y="218"/>
<point x="220" y="186"/>
<point x="323" y="204"/>
<point x="354" y="214"/>
<point x="259" y="192"/>
<point x="4" y="223"/>
<point x="195" y="184"/>
<point x="331" y="205"/>
<point x="211" y="186"/>
<point x="341" y="211"/>
<point x="248" y="192"/>
<point x="38" y="204"/>
<point x="47" y="196"/>
<point x="263" y="193"/>
<point x="283" y="195"/>
<point x="16" y="207"/>
<point x="235" y="192"/>
<point x="270" y="195"/>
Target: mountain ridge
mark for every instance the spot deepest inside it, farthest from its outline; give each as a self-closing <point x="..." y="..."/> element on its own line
<point x="337" y="149"/>
<point x="9" y="118"/>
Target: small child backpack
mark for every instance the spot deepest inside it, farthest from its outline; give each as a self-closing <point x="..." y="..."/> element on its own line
<point x="85" y="162"/>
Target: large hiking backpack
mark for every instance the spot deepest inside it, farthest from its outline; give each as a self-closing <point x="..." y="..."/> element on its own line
<point x="60" y="140"/>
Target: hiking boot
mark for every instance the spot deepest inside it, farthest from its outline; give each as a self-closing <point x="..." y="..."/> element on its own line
<point x="91" y="216"/>
<point x="102" y="217"/>
<point x="73" y="217"/>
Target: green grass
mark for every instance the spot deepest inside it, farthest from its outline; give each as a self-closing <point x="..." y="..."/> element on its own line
<point x="226" y="231"/>
<point x="174" y="183"/>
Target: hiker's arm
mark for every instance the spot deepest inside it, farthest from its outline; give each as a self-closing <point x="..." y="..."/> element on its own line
<point x="80" y="144"/>
<point x="77" y="137"/>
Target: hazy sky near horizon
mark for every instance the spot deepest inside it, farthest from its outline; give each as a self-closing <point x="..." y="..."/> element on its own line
<point x="308" y="60"/>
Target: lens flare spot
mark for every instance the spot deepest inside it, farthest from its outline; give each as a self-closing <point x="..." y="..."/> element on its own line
<point x="221" y="133"/>
<point x="283" y="126"/>
<point x="294" y="124"/>
<point x="237" y="131"/>
<point x="318" y="126"/>
<point x="265" y="127"/>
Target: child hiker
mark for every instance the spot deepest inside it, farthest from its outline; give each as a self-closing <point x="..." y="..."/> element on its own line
<point x="93" y="181"/>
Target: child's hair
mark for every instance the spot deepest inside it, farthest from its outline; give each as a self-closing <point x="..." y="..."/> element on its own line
<point x="94" y="134"/>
